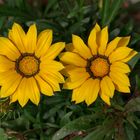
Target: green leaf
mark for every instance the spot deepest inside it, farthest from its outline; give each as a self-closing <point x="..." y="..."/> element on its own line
<point x="3" y="136"/>
<point x="105" y="11"/>
<point x="114" y="10"/>
<point x="49" y="5"/>
<point x="80" y="124"/>
<point x="65" y="119"/>
<point x="129" y="132"/>
<point x="101" y="131"/>
<point x="133" y="105"/>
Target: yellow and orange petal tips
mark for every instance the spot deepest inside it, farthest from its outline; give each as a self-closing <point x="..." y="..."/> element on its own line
<point x="27" y="65"/>
<point x="98" y="68"/>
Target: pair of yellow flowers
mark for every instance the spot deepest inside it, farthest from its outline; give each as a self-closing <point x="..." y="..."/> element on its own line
<point x="27" y="65"/>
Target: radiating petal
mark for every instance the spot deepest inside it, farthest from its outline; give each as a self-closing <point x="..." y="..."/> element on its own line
<point x="6" y="64"/>
<point x="23" y="92"/>
<point x="105" y="98"/>
<point x="75" y="94"/>
<point x="107" y="87"/>
<point x="122" y="88"/>
<point x="88" y="91"/>
<point x="14" y="97"/>
<point x="51" y="65"/>
<point x="130" y="56"/>
<point x="124" y="41"/>
<point x="31" y="39"/>
<point x="119" y="78"/>
<point x="112" y="46"/>
<point x="45" y="88"/>
<point x="44" y="42"/>
<point x="81" y="47"/>
<point x="119" y="54"/>
<point x="10" y="83"/>
<point x="54" y="74"/>
<point x="50" y="80"/>
<point x="34" y="94"/>
<point x="75" y="70"/>
<point x="103" y="40"/>
<point x="119" y="67"/>
<point x="92" y="39"/>
<point x="93" y="88"/>
<point x="73" y="58"/>
<point x="117" y="42"/>
<point x="53" y="51"/>
<point x="8" y="49"/>
<point x="75" y="81"/>
<point x="17" y="36"/>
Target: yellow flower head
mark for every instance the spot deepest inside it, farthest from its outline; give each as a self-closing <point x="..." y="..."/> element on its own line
<point x="99" y="68"/>
<point x="27" y="65"/>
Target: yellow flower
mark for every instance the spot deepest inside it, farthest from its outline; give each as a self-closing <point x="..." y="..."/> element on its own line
<point x="97" y="69"/>
<point x="27" y="65"/>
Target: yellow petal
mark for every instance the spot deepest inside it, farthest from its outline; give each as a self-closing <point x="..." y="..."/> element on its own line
<point x="81" y="47"/>
<point x="54" y="50"/>
<point x="6" y="64"/>
<point x="75" y="70"/>
<point x="130" y="56"/>
<point x="122" y="88"/>
<point x="31" y="39"/>
<point x="75" y="81"/>
<point x="93" y="88"/>
<point x="92" y="39"/>
<point x="119" y="78"/>
<point x="45" y="88"/>
<point x="119" y="54"/>
<point x="88" y="91"/>
<point x="107" y="87"/>
<point x="56" y="75"/>
<point x="75" y="94"/>
<point x="51" y="65"/>
<point x="67" y="69"/>
<point x="10" y="84"/>
<point x="124" y="41"/>
<point x="43" y="43"/>
<point x="103" y="40"/>
<point x="112" y="46"/>
<point x="17" y="35"/>
<point x="14" y="97"/>
<point x="50" y="80"/>
<point x="105" y="98"/>
<point x="33" y="91"/>
<point x="73" y="58"/>
<point x="8" y="49"/>
<point x="23" y="92"/>
<point x="119" y="67"/>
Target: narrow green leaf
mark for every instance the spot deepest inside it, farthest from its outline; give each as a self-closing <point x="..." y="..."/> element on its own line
<point x="133" y="105"/>
<point x="49" y="5"/>
<point x="115" y="6"/>
<point x="129" y="132"/>
<point x="79" y="124"/>
<point x="105" y="11"/>
<point x="65" y="119"/>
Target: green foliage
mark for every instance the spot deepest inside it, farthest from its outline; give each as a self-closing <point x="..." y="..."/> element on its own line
<point x="56" y="117"/>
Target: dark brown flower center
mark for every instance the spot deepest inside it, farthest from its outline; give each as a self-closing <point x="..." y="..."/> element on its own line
<point x="98" y="67"/>
<point x="27" y="65"/>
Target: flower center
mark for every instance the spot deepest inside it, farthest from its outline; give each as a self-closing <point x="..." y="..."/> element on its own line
<point x="99" y="67"/>
<point x="27" y="65"/>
